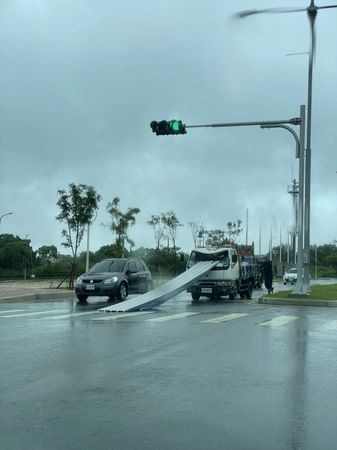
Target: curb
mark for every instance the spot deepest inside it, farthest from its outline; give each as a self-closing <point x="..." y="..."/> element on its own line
<point x="40" y="296"/>
<point x="296" y="302"/>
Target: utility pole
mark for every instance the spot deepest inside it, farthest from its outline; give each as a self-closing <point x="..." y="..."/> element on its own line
<point x="293" y="190"/>
<point x="247" y="226"/>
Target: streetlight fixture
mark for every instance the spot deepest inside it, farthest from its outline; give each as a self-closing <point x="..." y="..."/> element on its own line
<point x="311" y="10"/>
<point x="300" y="287"/>
<point x="3" y="215"/>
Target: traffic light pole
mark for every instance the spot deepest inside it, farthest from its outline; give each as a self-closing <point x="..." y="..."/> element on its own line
<point x="304" y="204"/>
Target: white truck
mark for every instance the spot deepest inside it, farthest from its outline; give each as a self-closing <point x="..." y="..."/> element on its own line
<point x="229" y="277"/>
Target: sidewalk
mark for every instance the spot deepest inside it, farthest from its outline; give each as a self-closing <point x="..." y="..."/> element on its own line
<point x="33" y="290"/>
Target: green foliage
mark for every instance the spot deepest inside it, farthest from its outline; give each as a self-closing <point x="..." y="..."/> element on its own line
<point x="216" y="238"/>
<point x="77" y="209"/>
<point x="171" y="223"/>
<point x="47" y="252"/>
<point x="163" y="262"/>
<point x="234" y="229"/>
<point x="15" y="254"/>
<point x="120" y="223"/>
<point x="55" y="268"/>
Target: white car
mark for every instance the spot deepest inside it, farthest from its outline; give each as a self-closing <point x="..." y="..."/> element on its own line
<point x="290" y="276"/>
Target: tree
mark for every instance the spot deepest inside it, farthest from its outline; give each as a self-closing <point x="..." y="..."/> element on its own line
<point x="47" y="252"/>
<point x="171" y="222"/>
<point x="197" y="230"/>
<point x="234" y="229"/>
<point x="120" y="223"/>
<point x="15" y="254"/>
<point x="216" y="238"/>
<point x="158" y="228"/>
<point x="78" y="207"/>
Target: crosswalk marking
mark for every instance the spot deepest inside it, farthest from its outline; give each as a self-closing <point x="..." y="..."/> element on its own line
<point x="12" y="311"/>
<point x="330" y="326"/>
<point x="278" y="321"/>
<point x="225" y="318"/>
<point x="173" y="317"/>
<point x="59" y="314"/>
<point x="115" y="316"/>
<point x="36" y="313"/>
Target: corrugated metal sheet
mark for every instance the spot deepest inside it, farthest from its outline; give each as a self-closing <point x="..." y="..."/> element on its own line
<point x="165" y="292"/>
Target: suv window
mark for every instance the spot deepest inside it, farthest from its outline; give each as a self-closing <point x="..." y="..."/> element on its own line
<point x="140" y="266"/>
<point x="132" y="267"/>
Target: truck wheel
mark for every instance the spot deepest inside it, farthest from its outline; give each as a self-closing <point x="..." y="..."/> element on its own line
<point x="249" y="291"/>
<point x="242" y="295"/>
<point x="122" y="292"/>
<point x="232" y="294"/>
<point x="195" y="297"/>
<point x="82" y="298"/>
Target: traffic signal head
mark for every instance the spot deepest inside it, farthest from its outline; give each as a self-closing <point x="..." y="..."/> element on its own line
<point x="176" y="127"/>
<point x="164" y="127"/>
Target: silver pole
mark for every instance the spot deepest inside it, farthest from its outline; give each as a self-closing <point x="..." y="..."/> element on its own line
<point x="247" y="226"/>
<point x="260" y="240"/>
<point x="280" y="243"/>
<point x="299" y="286"/>
<point x="87" y="258"/>
<point x="307" y="188"/>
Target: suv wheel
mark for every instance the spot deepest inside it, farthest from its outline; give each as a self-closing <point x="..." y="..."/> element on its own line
<point x="82" y="298"/>
<point x="122" y="292"/>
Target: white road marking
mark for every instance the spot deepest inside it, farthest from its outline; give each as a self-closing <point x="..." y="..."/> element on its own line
<point x="330" y="326"/>
<point x="114" y="316"/>
<point x="278" y="321"/>
<point x="12" y="311"/>
<point x="225" y="318"/>
<point x="37" y="313"/>
<point x="66" y="316"/>
<point x="173" y="317"/>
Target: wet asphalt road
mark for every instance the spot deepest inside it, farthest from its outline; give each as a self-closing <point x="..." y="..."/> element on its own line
<point x="206" y="376"/>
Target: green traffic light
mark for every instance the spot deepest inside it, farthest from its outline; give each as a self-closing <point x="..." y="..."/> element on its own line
<point x="175" y="125"/>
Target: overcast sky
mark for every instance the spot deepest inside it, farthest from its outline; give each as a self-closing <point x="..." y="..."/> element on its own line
<point x="81" y="80"/>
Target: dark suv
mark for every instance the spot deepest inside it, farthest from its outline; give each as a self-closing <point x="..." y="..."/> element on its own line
<point x="114" y="278"/>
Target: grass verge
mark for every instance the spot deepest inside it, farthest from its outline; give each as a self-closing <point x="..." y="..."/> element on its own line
<point x="318" y="292"/>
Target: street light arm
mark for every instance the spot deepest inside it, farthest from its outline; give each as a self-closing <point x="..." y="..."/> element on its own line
<point x="291" y="131"/>
<point x="3" y="215"/>
<point x="293" y="121"/>
<point x="7" y="214"/>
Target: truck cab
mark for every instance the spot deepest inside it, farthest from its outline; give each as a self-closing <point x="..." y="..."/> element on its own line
<point x="223" y="279"/>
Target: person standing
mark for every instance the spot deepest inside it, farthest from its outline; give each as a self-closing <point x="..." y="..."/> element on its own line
<point x="268" y="276"/>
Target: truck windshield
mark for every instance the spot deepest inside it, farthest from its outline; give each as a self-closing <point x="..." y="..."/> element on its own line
<point x="222" y="257"/>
